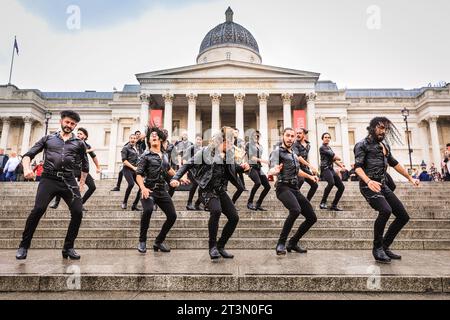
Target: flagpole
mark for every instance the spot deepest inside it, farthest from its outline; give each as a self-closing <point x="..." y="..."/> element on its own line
<point x="12" y="61"/>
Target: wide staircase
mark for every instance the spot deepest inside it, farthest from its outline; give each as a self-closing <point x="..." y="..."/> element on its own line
<point x="106" y="228"/>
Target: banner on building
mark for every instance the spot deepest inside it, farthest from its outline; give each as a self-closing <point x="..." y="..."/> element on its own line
<point x="299" y="119"/>
<point x="156" y="118"/>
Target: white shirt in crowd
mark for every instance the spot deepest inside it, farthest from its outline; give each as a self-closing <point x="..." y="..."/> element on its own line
<point x="12" y="164"/>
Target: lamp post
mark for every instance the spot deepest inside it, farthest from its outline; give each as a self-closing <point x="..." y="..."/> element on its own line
<point x="405" y="114"/>
<point x="48" y="116"/>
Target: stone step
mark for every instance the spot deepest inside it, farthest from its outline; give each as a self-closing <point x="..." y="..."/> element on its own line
<point x="364" y="213"/>
<point x="176" y="232"/>
<point x="234" y="243"/>
<point x="157" y="222"/>
<point x="250" y="271"/>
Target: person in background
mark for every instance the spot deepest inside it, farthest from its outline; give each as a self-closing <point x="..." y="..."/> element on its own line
<point x="446" y="163"/>
<point x="3" y="160"/>
<point x="11" y="166"/>
<point x="38" y="169"/>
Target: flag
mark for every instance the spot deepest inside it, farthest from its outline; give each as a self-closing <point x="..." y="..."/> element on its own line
<point x="16" y="46"/>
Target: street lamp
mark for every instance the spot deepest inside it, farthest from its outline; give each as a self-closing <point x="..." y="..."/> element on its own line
<point x="405" y="114"/>
<point x="48" y="116"/>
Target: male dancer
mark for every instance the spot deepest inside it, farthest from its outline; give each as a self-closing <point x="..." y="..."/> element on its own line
<point x="83" y="135"/>
<point x="214" y="167"/>
<point x="372" y="156"/>
<point x="254" y="151"/>
<point x="130" y="158"/>
<point x="188" y="155"/>
<point x="301" y="148"/>
<point x="284" y="164"/>
<point x="151" y="173"/>
<point x="62" y="154"/>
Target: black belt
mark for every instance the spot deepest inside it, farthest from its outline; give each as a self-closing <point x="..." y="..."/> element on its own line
<point x="58" y="174"/>
<point x="290" y="182"/>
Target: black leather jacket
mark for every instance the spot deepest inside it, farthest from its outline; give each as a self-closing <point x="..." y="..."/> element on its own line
<point x="202" y="165"/>
<point x="370" y="157"/>
<point x="131" y="154"/>
<point x="326" y="157"/>
<point x="61" y="156"/>
<point x="254" y="150"/>
<point x="291" y="165"/>
<point x="153" y="169"/>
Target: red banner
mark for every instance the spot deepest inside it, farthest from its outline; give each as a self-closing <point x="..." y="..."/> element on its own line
<point x="299" y="119"/>
<point x="156" y="118"/>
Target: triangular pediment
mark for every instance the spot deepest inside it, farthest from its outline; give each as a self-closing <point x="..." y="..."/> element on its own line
<point x="228" y="69"/>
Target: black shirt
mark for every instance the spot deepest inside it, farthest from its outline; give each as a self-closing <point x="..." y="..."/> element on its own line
<point x="302" y="151"/>
<point x="254" y="150"/>
<point x="153" y="168"/>
<point x="218" y="179"/>
<point x="291" y="166"/>
<point x="131" y="154"/>
<point x="61" y="156"/>
<point x="326" y="157"/>
<point x="370" y="157"/>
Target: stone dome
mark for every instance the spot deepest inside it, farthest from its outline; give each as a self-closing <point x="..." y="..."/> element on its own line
<point x="229" y="34"/>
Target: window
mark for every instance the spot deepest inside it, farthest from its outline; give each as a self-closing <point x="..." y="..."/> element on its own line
<point x="332" y="132"/>
<point x="126" y="133"/>
<point x="351" y="138"/>
<point x="107" y="138"/>
<point x="228" y="55"/>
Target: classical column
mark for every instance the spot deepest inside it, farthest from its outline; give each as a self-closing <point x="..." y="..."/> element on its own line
<point x="311" y="126"/>
<point x="287" y="109"/>
<point x="424" y="142"/>
<point x="192" y="117"/>
<point x="113" y="145"/>
<point x="215" y="121"/>
<point x="263" y="123"/>
<point x="240" y="113"/>
<point x="168" y="114"/>
<point x="145" y="103"/>
<point x="435" y="141"/>
<point x="26" y="134"/>
<point x="345" y="142"/>
<point x="5" y="132"/>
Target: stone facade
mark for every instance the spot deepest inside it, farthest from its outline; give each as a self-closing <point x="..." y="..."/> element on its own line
<point x="233" y="91"/>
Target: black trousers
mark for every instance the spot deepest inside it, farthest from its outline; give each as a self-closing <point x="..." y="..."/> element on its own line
<point x="241" y="176"/>
<point x="194" y="188"/>
<point x="313" y="185"/>
<point x="164" y="201"/>
<point x="90" y="183"/>
<point x="47" y="190"/>
<point x="386" y="203"/>
<point x="130" y="176"/>
<point x="259" y="178"/>
<point x="297" y="204"/>
<point x="218" y="204"/>
<point x="119" y="179"/>
<point x="332" y="179"/>
<point x="239" y="190"/>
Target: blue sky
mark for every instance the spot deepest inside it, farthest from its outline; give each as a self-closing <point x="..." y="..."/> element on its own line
<point x="97" y="13"/>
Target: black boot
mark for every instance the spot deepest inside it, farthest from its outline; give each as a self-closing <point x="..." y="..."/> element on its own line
<point x="281" y="249"/>
<point x="142" y="247"/>
<point x="250" y="206"/>
<point x="225" y="254"/>
<point x="214" y="253"/>
<point x="161" y="247"/>
<point x="135" y="207"/>
<point x="392" y="255"/>
<point x="323" y="206"/>
<point x="54" y="205"/>
<point x="380" y="255"/>
<point x="190" y="207"/>
<point x="21" y="254"/>
<point x="70" y="253"/>
<point x="296" y="248"/>
<point x="335" y="208"/>
<point x="116" y="189"/>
